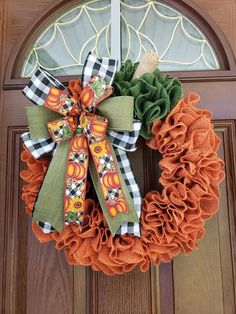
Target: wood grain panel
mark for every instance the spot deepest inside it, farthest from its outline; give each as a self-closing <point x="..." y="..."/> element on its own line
<point x="21" y="14"/>
<point x="130" y="293"/>
<point x="80" y="290"/>
<point x="226" y="214"/>
<point x="208" y="274"/>
<point x="49" y="279"/>
<point x="156" y="290"/>
<point x="227" y="131"/>
<point x="166" y="288"/>
<point x="11" y="226"/>
<point x="218" y="97"/>
<point x="223" y="13"/>
<point x="3" y="33"/>
<point x="37" y="278"/>
<point x="197" y="278"/>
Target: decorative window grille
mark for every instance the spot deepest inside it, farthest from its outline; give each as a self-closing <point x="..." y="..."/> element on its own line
<point x="122" y="29"/>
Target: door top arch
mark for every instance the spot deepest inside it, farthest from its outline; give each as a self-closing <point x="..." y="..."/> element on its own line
<point x="182" y="15"/>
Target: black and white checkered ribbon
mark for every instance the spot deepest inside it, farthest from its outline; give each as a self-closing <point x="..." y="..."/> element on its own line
<point x="123" y="142"/>
<point x="105" y="68"/>
<point x="39" y="86"/>
<point x="126" y="140"/>
<point x="46" y="227"/>
<point x="37" y="91"/>
<point x="38" y="147"/>
<point x="125" y="168"/>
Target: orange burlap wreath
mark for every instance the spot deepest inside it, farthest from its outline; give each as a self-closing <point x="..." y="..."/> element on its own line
<point x="171" y="222"/>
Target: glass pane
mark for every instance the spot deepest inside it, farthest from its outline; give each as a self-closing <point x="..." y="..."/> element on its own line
<point x="145" y="25"/>
<point x="180" y="45"/>
<point x="63" y="46"/>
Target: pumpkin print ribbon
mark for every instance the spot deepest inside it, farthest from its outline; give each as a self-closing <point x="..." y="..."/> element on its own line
<point x="87" y="132"/>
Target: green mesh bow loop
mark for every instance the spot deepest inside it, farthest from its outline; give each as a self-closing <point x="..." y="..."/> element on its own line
<point x="154" y="95"/>
<point x="126" y="72"/>
<point x="173" y="87"/>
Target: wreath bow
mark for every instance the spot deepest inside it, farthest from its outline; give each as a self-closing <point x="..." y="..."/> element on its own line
<point x="86" y="131"/>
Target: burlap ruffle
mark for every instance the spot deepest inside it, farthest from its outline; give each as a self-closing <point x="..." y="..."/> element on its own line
<point x="154" y="94"/>
<point x="172" y="221"/>
<point x="33" y="175"/>
<point x="191" y="174"/>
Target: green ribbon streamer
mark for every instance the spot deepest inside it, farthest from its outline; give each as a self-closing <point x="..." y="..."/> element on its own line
<point x="118" y="110"/>
<point x="154" y="94"/>
<point x="49" y="206"/>
<point x="116" y="222"/>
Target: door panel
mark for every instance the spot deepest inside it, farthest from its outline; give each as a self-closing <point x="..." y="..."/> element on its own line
<point x="206" y="277"/>
<point x="37" y="279"/>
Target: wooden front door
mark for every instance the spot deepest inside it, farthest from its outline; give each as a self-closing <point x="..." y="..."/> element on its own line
<point x="36" y="278"/>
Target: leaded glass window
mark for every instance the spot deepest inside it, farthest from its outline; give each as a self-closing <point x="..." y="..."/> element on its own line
<point x="143" y="25"/>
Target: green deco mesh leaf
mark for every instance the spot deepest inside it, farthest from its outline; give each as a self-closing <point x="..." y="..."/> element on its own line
<point x="67" y="132"/>
<point x="154" y="94"/>
<point x="97" y="87"/>
<point x="71" y="216"/>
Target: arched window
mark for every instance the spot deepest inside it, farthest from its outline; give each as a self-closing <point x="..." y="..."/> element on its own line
<point x="137" y="26"/>
<point x="187" y="41"/>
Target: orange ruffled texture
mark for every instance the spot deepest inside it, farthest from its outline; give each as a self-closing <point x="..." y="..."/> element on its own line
<point x="171" y="221"/>
<point x="94" y="246"/>
<point x="33" y="175"/>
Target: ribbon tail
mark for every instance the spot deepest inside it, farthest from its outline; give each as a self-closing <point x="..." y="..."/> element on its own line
<point x="122" y="142"/>
<point x="119" y="208"/>
<point x="49" y="205"/>
<point x="134" y="191"/>
<point x="76" y="179"/>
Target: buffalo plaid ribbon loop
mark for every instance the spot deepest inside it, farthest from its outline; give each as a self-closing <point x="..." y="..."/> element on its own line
<point x="39" y="86"/>
<point x="105" y="68"/>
